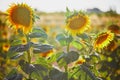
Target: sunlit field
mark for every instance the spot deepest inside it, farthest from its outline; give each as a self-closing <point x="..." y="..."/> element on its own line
<point x="70" y="45"/>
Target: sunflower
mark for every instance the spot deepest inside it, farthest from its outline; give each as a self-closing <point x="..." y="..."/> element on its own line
<point x="5" y="47"/>
<point x="5" y="35"/>
<point x="21" y="17"/>
<point x="47" y="53"/>
<point x="24" y="40"/>
<point x="77" y="24"/>
<point x="103" y="40"/>
<point x="114" y="28"/>
<point x="80" y="61"/>
<point x="34" y="40"/>
<point x="46" y="28"/>
<point x="112" y="46"/>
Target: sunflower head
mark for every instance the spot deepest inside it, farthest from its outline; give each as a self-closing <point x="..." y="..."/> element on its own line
<point x="112" y="46"/>
<point x="46" y="28"/>
<point x="5" y="47"/>
<point x="103" y="40"/>
<point x="5" y="35"/>
<point x="34" y="40"/>
<point x="47" y="54"/>
<point x="77" y="23"/>
<point x="114" y="28"/>
<point x="21" y="17"/>
<point x="80" y="61"/>
<point x="24" y="40"/>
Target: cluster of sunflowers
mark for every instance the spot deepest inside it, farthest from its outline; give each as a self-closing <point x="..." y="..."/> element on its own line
<point x="19" y="40"/>
<point x="7" y="34"/>
<point x="78" y="23"/>
<point x="106" y="43"/>
<point x="16" y="38"/>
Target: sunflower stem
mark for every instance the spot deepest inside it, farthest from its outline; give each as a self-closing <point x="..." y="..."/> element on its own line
<point x="28" y="56"/>
<point x="68" y="47"/>
<point x="29" y="61"/>
<point x="66" y="66"/>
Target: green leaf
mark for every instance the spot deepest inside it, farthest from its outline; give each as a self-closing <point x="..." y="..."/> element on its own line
<point x="36" y="16"/>
<point x="61" y="56"/>
<point x="61" y="38"/>
<point x="77" y="44"/>
<point x="80" y="73"/>
<point x="68" y="12"/>
<point x="46" y="78"/>
<point x="38" y="33"/>
<point x="91" y="75"/>
<point x="57" y="75"/>
<point x="35" y="69"/>
<point x="52" y="59"/>
<point x="13" y="75"/>
<point x="67" y="9"/>
<point x="60" y="59"/>
<point x="39" y="70"/>
<point x="26" y="67"/>
<point x="16" y="42"/>
<point x="43" y="62"/>
<point x="13" y="71"/>
<point x="42" y="48"/>
<point x="29" y="68"/>
<point x="64" y="40"/>
<point x="84" y="36"/>
<point x="16" y="56"/>
<point x="36" y="76"/>
<point x="69" y="57"/>
<point x="69" y="39"/>
<point x="20" y="48"/>
<point x="62" y="63"/>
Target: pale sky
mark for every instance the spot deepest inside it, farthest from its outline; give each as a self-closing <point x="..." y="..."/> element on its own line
<point x="60" y="5"/>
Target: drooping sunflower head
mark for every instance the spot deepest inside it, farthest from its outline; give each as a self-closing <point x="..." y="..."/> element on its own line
<point x="77" y="23"/>
<point x="114" y="28"/>
<point x="112" y="46"/>
<point x="103" y="40"/>
<point x="21" y="17"/>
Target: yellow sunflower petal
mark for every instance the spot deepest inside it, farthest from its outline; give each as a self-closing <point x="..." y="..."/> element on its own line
<point x="21" y="16"/>
<point x="77" y="24"/>
<point x="103" y="40"/>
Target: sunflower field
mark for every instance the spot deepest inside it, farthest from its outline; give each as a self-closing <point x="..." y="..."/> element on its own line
<point x="76" y="45"/>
